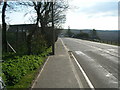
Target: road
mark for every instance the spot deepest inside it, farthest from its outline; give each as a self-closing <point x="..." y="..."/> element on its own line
<point x="99" y="61"/>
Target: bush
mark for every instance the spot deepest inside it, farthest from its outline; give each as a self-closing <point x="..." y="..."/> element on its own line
<point x="82" y="35"/>
<point x="16" y="67"/>
<point x="38" y="44"/>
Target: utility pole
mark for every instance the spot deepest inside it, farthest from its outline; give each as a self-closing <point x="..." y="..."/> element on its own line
<point x="53" y="31"/>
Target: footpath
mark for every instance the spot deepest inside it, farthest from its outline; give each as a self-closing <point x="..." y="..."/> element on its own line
<point x="58" y="71"/>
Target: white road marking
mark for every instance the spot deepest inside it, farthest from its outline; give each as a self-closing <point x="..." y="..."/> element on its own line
<point x="100" y="49"/>
<point x="111" y="58"/>
<point x="73" y="68"/>
<point x="106" y="55"/>
<point x="84" y="74"/>
<point x="111" y="79"/>
<point x="113" y="50"/>
<point x="110" y="76"/>
<point x="106" y="73"/>
<point x="64" y="45"/>
<point x="81" y="53"/>
<point x="76" y="74"/>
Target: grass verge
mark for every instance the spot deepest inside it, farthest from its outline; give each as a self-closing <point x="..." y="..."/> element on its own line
<point x="20" y="71"/>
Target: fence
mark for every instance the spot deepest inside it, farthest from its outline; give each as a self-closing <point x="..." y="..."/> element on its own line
<point x="17" y="36"/>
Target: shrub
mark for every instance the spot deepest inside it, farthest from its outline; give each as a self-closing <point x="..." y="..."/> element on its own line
<point x="17" y="67"/>
<point x="82" y="35"/>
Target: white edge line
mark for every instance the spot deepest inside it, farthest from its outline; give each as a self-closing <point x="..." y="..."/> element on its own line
<point x="64" y="45"/>
<point x="40" y="72"/>
<point x="86" y="77"/>
<point x="73" y="68"/>
<point x="84" y="74"/>
<point x="76" y="75"/>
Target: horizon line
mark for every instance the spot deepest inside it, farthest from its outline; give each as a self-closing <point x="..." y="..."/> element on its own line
<point x="91" y="29"/>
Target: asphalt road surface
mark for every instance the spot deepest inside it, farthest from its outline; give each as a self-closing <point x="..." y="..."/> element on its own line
<point x="99" y="61"/>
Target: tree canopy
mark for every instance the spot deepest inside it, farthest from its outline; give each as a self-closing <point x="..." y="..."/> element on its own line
<point x="42" y="15"/>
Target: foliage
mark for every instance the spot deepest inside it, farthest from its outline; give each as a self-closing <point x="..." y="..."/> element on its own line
<point x="26" y="80"/>
<point x="94" y="34"/>
<point x="69" y="33"/>
<point x="16" y="67"/>
<point x="38" y="44"/>
<point x="82" y="35"/>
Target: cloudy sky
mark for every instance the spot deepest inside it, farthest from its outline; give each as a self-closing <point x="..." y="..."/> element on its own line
<point x="83" y="14"/>
<point x="89" y="14"/>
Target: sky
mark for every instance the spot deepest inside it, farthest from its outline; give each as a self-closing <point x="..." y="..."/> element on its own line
<point x="83" y="14"/>
<point x="92" y="14"/>
<point x="20" y="16"/>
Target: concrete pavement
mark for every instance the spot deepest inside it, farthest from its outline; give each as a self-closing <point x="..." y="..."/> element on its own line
<point x="58" y="71"/>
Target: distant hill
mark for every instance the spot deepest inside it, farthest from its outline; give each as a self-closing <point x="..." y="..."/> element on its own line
<point x="108" y="35"/>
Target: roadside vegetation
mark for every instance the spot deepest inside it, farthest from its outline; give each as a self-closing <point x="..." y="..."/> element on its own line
<point x="83" y="35"/>
<point x="24" y="67"/>
<point x="91" y="37"/>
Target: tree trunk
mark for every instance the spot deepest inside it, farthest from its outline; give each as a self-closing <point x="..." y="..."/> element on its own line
<point x="4" y="41"/>
<point x="29" y="37"/>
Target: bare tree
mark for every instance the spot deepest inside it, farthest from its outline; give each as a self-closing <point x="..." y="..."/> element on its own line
<point x="44" y="17"/>
<point x="44" y="12"/>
